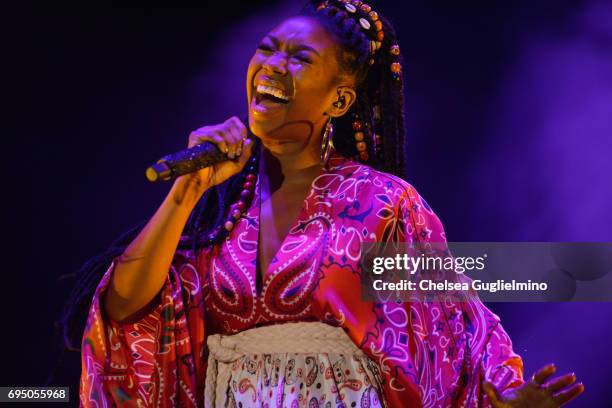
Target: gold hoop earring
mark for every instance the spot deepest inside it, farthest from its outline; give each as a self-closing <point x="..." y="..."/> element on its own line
<point x="327" y="143"/>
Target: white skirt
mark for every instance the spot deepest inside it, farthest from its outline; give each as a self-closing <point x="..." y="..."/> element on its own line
<point x="306" y="364"/>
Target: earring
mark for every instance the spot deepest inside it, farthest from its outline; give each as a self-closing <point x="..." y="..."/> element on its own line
<point x="340" y="102"/>
<point x="327" y="143"/>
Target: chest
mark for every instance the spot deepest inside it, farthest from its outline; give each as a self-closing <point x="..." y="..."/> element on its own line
<point x="278" y="214"/>
<point x="275" y="264"/>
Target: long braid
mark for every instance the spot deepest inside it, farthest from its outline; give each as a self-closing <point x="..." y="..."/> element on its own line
<point x="378" y="87"/>
<point x="379" y="104"/>
<point x="392" y="104"/>
<point x="88" y="277"/>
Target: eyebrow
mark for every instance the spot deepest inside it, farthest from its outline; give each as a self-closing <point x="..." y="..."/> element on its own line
<point x="299" y="47"/>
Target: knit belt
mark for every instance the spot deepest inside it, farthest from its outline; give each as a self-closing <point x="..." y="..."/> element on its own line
<point x="300" y="337"/>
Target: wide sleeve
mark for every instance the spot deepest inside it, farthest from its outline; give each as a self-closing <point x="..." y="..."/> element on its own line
<point x="457" y="344"/>
<point x="156" y="361"/>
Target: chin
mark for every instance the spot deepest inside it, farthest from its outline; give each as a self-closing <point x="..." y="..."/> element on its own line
<point x="263" y="128"/>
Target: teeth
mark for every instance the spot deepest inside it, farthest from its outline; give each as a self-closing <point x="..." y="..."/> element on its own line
<point x="268" y="90"/>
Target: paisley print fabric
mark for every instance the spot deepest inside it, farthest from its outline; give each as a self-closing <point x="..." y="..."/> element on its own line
<point x="296" y="380"/>
<point x="429" y="354"/>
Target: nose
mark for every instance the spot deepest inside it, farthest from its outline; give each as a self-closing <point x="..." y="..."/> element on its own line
<point x="276" y="63"/>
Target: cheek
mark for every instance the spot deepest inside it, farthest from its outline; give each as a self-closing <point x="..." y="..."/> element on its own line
<point x="311" y="93"/>
<point x="252" y="69"/>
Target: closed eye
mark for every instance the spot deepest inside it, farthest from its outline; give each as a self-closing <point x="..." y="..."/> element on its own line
<point x="265" y="47"/>
<point x="303" y="58"/>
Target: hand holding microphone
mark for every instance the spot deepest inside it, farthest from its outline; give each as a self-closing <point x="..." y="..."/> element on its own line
<point x="214" y="154"/>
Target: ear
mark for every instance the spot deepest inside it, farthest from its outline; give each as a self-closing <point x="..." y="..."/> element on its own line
<point x="345" y="99"/>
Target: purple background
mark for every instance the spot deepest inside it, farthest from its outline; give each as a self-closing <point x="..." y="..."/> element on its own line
<point x="509" y="109"/>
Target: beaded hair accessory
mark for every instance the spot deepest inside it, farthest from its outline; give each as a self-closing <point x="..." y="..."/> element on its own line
<point x="365" y="132"/>
<point x="367" y="19"/>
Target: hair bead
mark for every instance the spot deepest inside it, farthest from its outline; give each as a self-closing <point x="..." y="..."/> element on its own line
<point x="367" y="32"/>
<point x="376" y="113"/>
<point x="372" y="46"/>
<point x="361" y="13"/>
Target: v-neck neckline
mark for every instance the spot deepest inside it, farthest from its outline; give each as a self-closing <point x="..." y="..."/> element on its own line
<point x="261" y="279"/>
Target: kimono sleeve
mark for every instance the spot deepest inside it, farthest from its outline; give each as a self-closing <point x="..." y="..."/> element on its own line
<point x="458" y="345"/>
<point x="155" y="361"/>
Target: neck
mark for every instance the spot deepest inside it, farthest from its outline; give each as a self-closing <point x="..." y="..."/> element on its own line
<point x="292" y="161"/>
<point x="292" y="169"/>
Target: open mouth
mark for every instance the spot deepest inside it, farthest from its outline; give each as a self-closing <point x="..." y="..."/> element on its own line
<point x="265" y="93"/>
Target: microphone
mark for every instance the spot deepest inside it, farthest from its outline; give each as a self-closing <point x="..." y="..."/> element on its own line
<point x="187" y="161"/>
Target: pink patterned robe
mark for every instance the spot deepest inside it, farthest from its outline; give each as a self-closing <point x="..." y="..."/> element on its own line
<point x="429" y="354"/>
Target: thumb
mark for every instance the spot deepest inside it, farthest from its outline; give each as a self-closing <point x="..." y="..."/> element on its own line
<point x="492" y="393"/>
<point x="247" y="151"/>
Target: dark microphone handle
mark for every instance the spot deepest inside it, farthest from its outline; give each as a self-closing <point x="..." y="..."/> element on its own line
<point x="185" y="161"/>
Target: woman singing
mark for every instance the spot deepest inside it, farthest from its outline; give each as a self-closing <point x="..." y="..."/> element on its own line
<point x="243" y="289"/>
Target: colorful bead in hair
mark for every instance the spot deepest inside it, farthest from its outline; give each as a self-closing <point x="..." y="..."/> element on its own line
<point x="367" y="19"/>
<point x="359" y="135"/>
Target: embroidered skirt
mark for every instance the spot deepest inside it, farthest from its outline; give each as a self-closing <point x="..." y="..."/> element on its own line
<point x="306" y="364"/>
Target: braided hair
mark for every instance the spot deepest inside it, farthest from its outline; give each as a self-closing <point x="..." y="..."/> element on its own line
<point x="380" y="95"/>
<point x="376" y="65"/>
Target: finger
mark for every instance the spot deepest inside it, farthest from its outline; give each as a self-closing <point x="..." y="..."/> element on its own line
<point x="242" y="130"/>
<point x="238" y="164"/>
<point x="247" y="147"/>
<point x="566" y="396"/>
<point x="236" y="140"/>
<point x="543" y="373"/>
<point x="231" y="136"/>
<point x="492" y="393"/>
<point x="560" y="382"/>
<point x="196" y="137"/>
<point x="239" y="148"/>
<point x="220" y="142"/>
